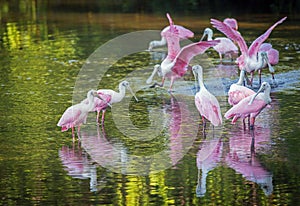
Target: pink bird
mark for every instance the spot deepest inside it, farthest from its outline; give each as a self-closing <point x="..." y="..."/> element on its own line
<point x="175" y="65"/>
<point x="251" y="105"/>
<point x="183" y="33"/>
<point x="237" y="91"/>
<point x="225" y="47"/>
<point x="251" y="59"/>
<point x="76" y="115"/>
<point x="109" y="97"/>
<point x="206" y="103"/>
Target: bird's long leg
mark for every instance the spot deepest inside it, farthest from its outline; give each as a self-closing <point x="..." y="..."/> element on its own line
<point x="97" y="118"/>
<point x="171" y="84"/>
<point x="251" y="81"/>
<point x="259" y="76"/>
<point x="252" y="121"/>
<point x="78" y="132"/>
<point x="73" y="134"/>
<point x="220" y="55"/>
<point x="103" y="115"/>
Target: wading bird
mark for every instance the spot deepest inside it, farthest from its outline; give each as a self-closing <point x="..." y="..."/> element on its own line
<point x="76" y="115"/>
<point x="251" y="59"/>
<point x="176" y="63"/>
<point x="109" y="97"/>
<point x="206" y="103"/>
<point x="251" y="106"/>
<point x="225" y="47"/>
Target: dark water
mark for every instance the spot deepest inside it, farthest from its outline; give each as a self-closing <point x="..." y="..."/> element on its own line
<point x="169" y="162"/>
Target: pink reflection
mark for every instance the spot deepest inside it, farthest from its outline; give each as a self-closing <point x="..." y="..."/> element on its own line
<point x="102" y="151"/>
<point x="77" y="164"/>
<point x="241" y="156"/>
<point x="208" y="157"/>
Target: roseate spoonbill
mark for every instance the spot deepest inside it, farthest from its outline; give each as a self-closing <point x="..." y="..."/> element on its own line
<point x="251" y="59"/>
<point x="251" y="105"/>
<point x="226" y="46"/>
<point x="237" y="91"/>
<point x="206" y="103"/>
<point x="109" y="97"/>
<point x="183" y="33"/>
<point x="76" y="115"/>
<point x="175" y="64"/>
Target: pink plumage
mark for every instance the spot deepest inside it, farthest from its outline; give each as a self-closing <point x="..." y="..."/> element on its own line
<point x="273" y="54"/>
<point x="76" y="115"/>
<point x="231" y="22"/>
<point x="248" y="59"/>
<point x="237" y="91"/>
<point x="251" y="105"/>
<point x="206" y="103"/>
<point x="224" y="47"/>
<point x="175" y="66"/>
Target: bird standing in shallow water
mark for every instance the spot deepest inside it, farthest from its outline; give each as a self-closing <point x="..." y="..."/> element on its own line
<point x="251" y="59"/>
<point x="206" y="103"/>
<point x="176" y="63"/>
<point x="225" y="47"/>
<point x="76" y="115"/>
<point x="109" y="97"/>
<point x="251" y="106"/>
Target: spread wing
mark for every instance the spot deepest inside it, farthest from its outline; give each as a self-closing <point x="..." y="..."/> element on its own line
<point x="230" y="33"/>
<point x="253" y="49"/>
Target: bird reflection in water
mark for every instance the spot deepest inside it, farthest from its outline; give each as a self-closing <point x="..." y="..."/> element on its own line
<point x="78" y="165"/>
<point x="240" y="155"/>
<point x="243" y="159"/>
<point x="208" y="157"/>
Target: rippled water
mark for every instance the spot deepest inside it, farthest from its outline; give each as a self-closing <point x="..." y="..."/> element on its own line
<point x="172" y="163"/>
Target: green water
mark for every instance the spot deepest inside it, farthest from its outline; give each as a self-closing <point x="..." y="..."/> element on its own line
<point x="41" y="57"/>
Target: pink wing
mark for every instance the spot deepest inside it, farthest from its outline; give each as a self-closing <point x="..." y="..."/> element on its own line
<point x="243" y="109"/>
<point x="231" y="22"/>
<point x="253" y="49"/>
<point x="231" y="33"/>
<point x="273" y="56"/>
<point x="69" y="117"/>
<point x="188" y="52"/>
<point x="265" y="47"/>
<point x="236" y="93"/>
<point x="102" y="104"/>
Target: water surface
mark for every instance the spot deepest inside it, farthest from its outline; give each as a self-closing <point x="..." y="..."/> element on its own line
<point x="41" y="57"/>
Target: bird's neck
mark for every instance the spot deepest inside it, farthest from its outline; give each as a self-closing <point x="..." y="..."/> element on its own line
<point x="209" y="36"/>
<point x="162" y="42"/>
<point x="200" y="80"/>
<point x="91" y="102"/>
<point x="120" y="95"/>
<point x="241" y="79"/>
<point x="267" y="97"/>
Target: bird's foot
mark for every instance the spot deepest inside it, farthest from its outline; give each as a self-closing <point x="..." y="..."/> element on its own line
<point x="273" y="83"/>
<point x="155" y="85"/>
